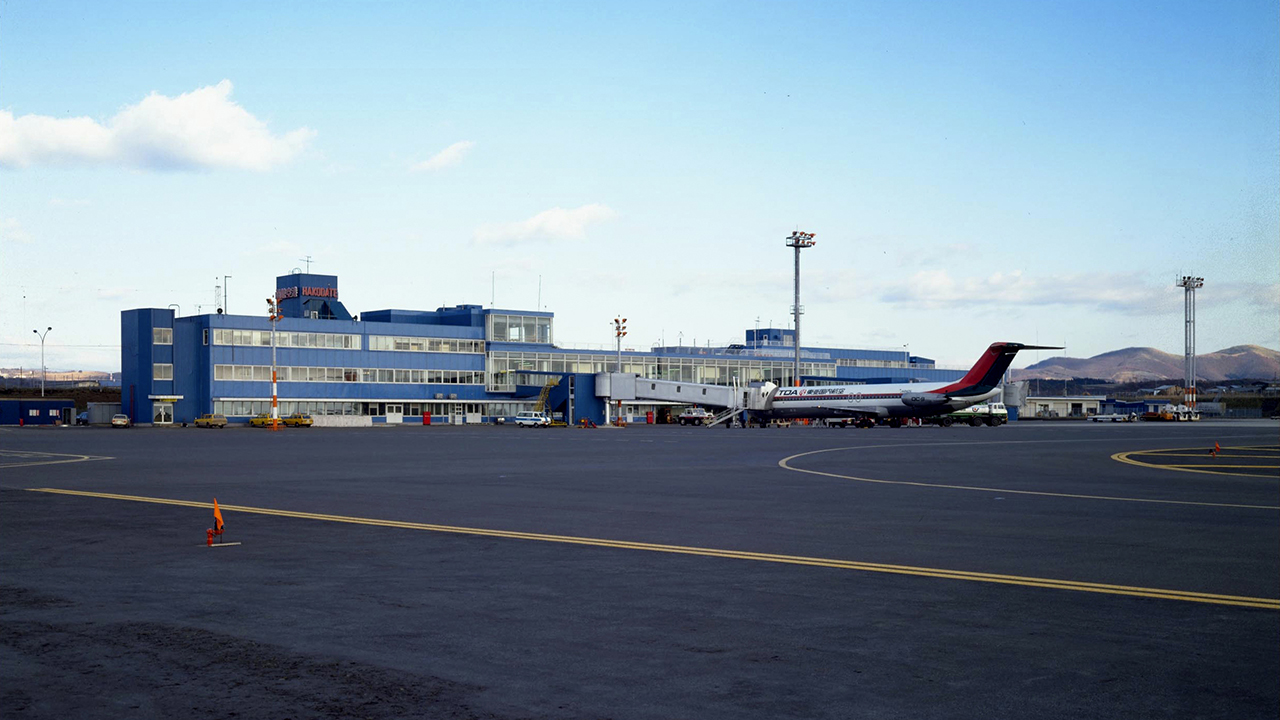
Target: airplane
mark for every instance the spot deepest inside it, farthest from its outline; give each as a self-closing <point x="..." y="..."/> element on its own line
<point x="864" y="405"/>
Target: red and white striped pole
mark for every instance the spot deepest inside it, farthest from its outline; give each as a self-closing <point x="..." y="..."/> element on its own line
<point x="274" y="305"/>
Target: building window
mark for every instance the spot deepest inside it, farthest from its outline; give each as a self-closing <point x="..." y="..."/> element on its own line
<point x="162" y="371"/>
<point x="162" y="336"/>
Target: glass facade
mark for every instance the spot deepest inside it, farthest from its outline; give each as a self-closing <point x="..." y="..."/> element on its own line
<point x="262" y="338"/>
<point x="262" y="373"/>
<point x="421" y="344"/>
<point x="518" y="328"/>
<point x="249" y="408"/>
<point x="507" y="369"/>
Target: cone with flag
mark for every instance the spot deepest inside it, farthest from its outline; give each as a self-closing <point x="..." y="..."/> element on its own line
<point x="1216" y="449"/>
<point x="217" y="518"/>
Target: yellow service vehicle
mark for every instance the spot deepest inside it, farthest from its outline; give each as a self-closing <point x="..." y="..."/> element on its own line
<point x="298" y="420"/>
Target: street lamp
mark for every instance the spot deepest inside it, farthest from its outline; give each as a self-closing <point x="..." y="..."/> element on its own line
<point x="42" y="335"/>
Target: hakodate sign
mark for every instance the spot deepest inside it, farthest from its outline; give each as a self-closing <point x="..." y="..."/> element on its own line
<point x="293" y="292"/>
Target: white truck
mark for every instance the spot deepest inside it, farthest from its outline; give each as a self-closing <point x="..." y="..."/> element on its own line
<point x="695" y="416"/>
<point x="989" y="414"/>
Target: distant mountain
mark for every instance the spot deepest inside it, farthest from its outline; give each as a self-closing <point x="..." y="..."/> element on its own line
<point x="1139" y="364"/>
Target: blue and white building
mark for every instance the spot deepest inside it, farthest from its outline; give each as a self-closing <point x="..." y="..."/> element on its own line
<point x="463" y="364"/>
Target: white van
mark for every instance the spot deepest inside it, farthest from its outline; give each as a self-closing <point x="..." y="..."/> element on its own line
<point x="530" y="418"/>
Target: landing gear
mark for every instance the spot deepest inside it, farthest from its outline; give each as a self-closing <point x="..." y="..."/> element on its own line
<point x="895" y="422"/>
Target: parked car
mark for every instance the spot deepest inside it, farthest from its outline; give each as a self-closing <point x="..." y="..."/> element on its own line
<point x="212" y="420"/>
<point x="82" y="418"/>
<point x="694" y="416"/>
<point x="260" y="420"/>
<point x="298" y="420"/>
<point x="532" y="419"/>
<point x="120" y="421"/>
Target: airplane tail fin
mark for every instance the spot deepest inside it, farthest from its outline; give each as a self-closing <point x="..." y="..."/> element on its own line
<point x="985" y="374"/>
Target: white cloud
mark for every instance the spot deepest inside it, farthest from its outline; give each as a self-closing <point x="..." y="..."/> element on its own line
<point x="200" y="129"/>
<point x="11" y="231"/>
<point x="554" y="224"/>
<point x="447" y="157"/>
<point x="1125" y="293"/>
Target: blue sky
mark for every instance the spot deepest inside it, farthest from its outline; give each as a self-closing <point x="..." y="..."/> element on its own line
<point x="974" y="172"/>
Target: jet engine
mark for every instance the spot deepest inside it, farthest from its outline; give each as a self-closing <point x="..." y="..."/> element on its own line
<point x="923" y="399"/>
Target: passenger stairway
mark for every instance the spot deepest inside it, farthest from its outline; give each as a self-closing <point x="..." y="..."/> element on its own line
<point x="541" y="405"/>
<point x="724" y="416"/>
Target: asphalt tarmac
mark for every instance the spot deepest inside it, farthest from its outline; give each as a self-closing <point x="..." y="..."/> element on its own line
<point x="1040" y="570"/>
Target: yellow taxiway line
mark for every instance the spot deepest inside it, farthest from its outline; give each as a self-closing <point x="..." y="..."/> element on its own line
<point x="941" y="573"/>
<point x="785" y="463"/>
<point x="1127" y="458"/>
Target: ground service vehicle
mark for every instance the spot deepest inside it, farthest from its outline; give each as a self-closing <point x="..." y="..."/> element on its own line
<point x="298" y="420"/>
<point x="532" y="419"/>
<point x="212" y="420"/>
<point x="694" y="416"/>
<point x="989" y="414"/>
<point x="260" y="420"/>
<point x="120" y="421"/>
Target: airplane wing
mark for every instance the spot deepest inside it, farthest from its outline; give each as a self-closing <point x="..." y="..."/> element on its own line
<point x="873" y="412"/>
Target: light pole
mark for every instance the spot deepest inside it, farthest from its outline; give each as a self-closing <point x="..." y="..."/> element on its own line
<point x="906" y="350"/>
<point x="226" y="296"/>
<point x="619" y="331"/>
<point x="799" y="241"/>
<point x="42" y="335"/>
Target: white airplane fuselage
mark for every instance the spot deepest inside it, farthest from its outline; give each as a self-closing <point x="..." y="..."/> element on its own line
<point x="884" y="401"/>
<point x="897" y="400"/>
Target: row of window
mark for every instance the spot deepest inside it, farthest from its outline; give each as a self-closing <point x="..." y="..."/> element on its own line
<point x="262" y="338"/>
<point x="421" y="344"/>
<point x="860" y="362"/>
<point x="713" y="371"/>
<point x="518" y="328"/>
<point x="365" y="375"/>
<point x="249" y="408"/>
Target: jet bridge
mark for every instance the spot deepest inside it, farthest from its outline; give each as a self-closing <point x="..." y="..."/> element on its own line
<point x="623" y="387"/>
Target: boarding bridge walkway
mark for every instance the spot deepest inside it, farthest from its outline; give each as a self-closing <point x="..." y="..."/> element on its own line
<point x="625" y="387"/>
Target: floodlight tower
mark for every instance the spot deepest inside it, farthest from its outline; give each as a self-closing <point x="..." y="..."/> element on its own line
<point x="1189" y="285"/>
<point x="799" y="241"/>
<point x="619" y="332"/>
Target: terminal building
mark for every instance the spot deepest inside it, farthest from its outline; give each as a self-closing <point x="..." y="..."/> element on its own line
<point x="463" y="364"/>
